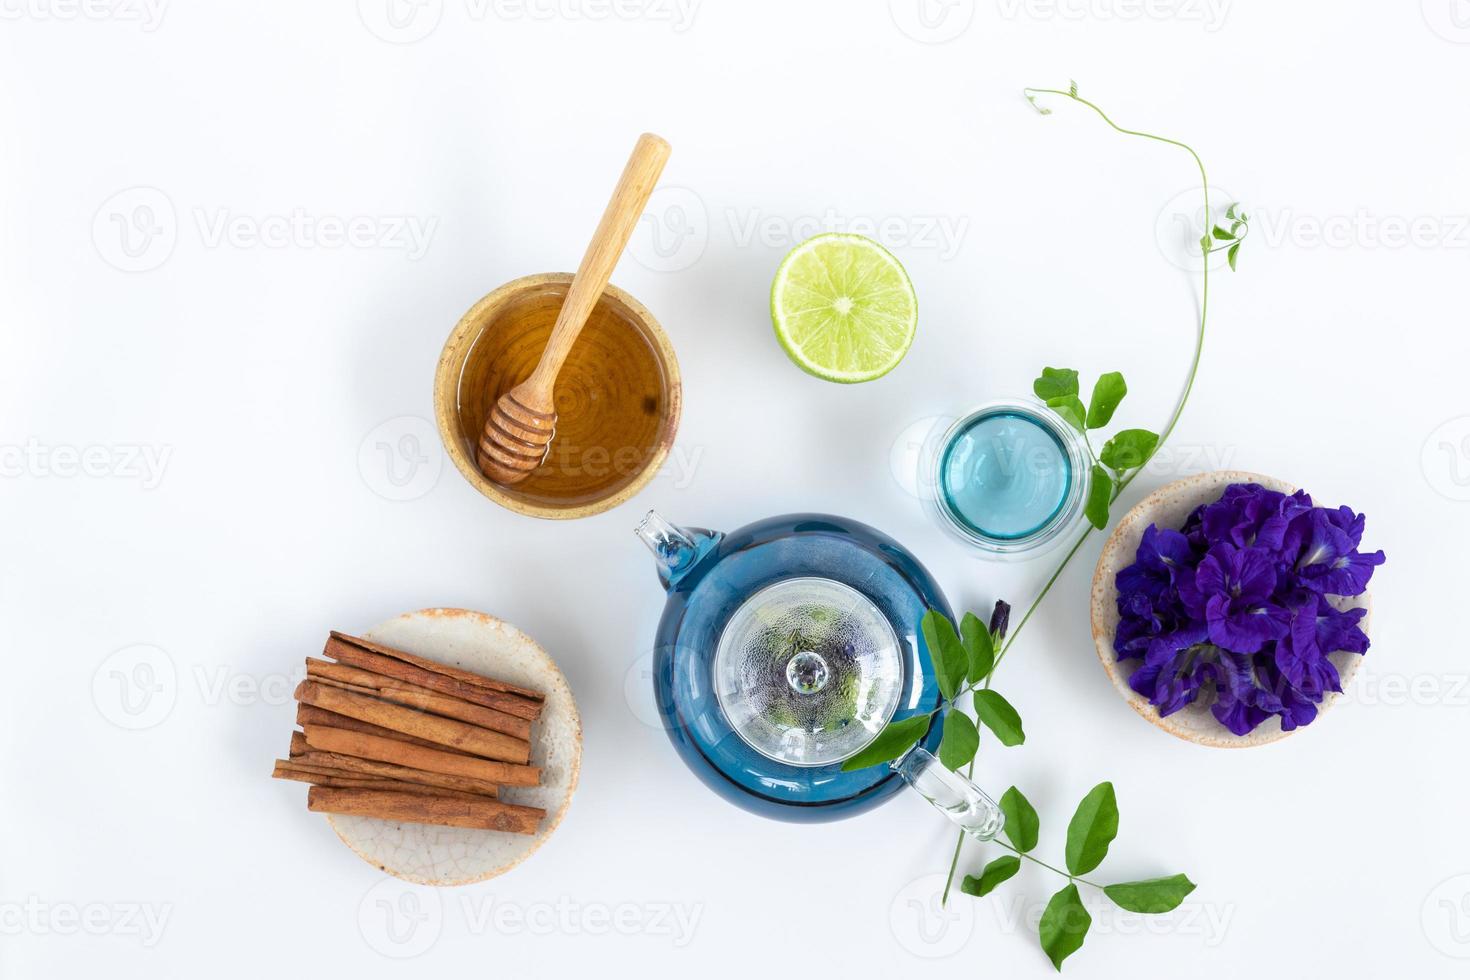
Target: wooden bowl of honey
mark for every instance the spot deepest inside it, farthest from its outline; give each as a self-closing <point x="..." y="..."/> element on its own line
<point x="618" y="396"/>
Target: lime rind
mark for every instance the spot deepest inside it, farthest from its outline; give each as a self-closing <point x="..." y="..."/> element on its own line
<point x="844" y="308"/>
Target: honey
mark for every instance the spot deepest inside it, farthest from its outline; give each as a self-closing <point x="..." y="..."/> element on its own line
<point x="612" y="396"/>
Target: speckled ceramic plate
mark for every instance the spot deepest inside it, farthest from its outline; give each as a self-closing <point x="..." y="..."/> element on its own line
<point x="431" y="855"/>
<point x="1169" y="506"/>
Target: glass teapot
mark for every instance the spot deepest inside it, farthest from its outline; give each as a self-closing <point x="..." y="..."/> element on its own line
<point x="784" y="649"/>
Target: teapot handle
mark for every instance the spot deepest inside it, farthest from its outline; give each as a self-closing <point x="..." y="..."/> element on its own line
<point x="965" y="804"/>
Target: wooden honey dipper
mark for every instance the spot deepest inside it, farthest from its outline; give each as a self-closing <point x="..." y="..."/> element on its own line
<point x="517" y="435"/>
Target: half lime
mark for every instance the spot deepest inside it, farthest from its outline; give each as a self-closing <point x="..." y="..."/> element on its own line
<point x="844" y="309"/>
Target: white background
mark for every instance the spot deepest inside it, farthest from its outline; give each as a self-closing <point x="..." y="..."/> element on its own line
<point x="264" y="377"/>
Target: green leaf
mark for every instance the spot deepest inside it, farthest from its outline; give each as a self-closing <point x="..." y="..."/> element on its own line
<point x="1230" y="211"/>
<point x="1106" y="395"/>
<point x="1022" y="826"/>
<point x="1100" y="497"/>
<point x="1073" y="90"/>
<point x="1205" y="244"/>
<point x="1150" y="897"/>
<point x="997" y="871"/>
<point x="979" y="645"/>
<point x="960" y="741"/>
<point x="1129" y="449"/>
<point x="951" y="662"/>
<point x="1064" y="925"/>
<point x="1222" y="235"/>
<point x="1235" y="228"/>
<point x="1232" y="255"/>
<point x="998" y="715"/>
<point x="1069" y="407"/>
<point x="1054" y="383"/>
<point x="1092" y="829"/>
<point x="894" y="740"/>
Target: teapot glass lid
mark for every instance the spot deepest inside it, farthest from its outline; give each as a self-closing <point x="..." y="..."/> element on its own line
<point x="808" y="671"/>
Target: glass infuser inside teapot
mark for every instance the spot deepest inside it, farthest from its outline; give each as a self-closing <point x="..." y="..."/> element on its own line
<point x="784" y="649"/>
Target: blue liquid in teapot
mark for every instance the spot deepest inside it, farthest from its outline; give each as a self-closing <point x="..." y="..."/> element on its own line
<point x="784" y="648"/>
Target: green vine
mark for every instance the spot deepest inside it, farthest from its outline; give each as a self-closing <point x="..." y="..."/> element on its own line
<point x="966" y="659"/>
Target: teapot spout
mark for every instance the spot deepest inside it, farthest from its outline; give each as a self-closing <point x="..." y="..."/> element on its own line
<point x="676" y="549"/>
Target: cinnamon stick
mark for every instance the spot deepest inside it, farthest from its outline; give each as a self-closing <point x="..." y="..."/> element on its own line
<point x="348" y="651"/>
<point x="397" y="753"/>
<point x="443" y="731"/>
<point x="468" y="677"/>
<point x="307" y="714"/>
<point x="342" y="779"/>
<point x="332" y="763"/>
<point x="482" y="815"/>
<point x="401" y="692"/>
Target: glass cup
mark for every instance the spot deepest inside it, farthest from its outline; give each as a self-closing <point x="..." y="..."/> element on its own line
<point x="1010" y="478"/>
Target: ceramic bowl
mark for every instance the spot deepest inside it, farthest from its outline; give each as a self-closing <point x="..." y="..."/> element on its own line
<point x="432" y="855"/>
<point x="1169" y="506"/>
<point x="618" y="397"/>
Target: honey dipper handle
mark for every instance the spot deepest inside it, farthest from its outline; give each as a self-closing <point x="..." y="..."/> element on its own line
<point x="618" y="221"/>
